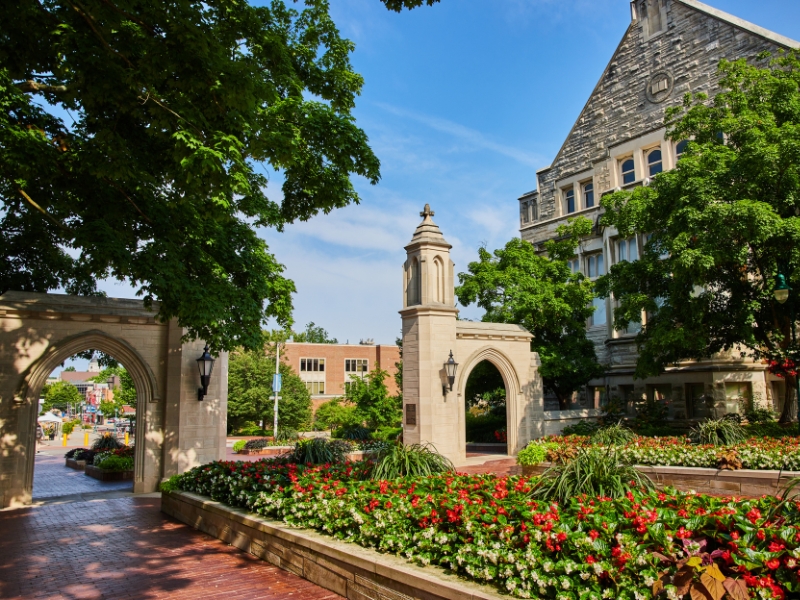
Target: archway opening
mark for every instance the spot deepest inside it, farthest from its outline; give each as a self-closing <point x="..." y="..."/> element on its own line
<point x="85" y="428"/>
<point x="485" y="406"/>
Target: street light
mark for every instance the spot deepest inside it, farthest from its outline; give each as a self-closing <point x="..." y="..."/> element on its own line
<point x="450" y="368"/>
<point x="205" y="365"/>
<point x="781" y="290"/>
<point x="781" y="293"/>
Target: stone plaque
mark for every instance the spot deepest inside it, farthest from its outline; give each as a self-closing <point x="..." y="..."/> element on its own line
<point x="659" y="86"/>
<point x="411" y="414"/>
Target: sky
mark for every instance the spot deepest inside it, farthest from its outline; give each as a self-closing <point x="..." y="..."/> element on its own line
<point x="462" y="103"/>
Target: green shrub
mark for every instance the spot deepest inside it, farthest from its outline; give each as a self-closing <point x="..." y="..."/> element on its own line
<point x="239" y="445"/>
<point x="534" y="453"/>
<point x="320" y="451"/>
<point x="287" y="434"/>
<point x="719" y="432"/>
<point x="386" y="434"/>
<point x="652" y="430"/>
<point x="651" y="412"/>
<point x="68" y="427"/>
<point x="352" y="432"/>
<point x="413" y="460"/>
<point x="116" y="463"/>
<point x="581" y="428"/>
<point x="251" y="429"/>
<point x="170" y="485"/>
<point x="593" y="471"/>
<point x="107" y="441"/>
<point x="612" y="435"/>
<point x="480" y="429"/>
<point x="759" y="415"/>
<point x="256" y="444"/>
<point x="773" y="430"/>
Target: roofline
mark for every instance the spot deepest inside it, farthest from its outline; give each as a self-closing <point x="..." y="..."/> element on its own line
<point x="741" y="23"/>
<point x="336" y="345"/>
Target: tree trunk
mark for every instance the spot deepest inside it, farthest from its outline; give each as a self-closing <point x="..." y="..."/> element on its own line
<point x="563" y="401"/>
<point x="788" y="412"/>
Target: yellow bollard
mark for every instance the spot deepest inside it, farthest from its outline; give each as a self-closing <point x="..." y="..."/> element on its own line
<point x="85" y="439"/>
<point x="126" y="438"/>
<point x="64" y="443"/>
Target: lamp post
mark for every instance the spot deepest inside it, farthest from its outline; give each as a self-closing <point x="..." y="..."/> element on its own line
<point x="205" y="364"/>
<point x="450" y="368"/>
<point x="781" y="294"/>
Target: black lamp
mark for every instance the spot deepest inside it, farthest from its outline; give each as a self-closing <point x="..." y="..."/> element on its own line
<point x="450" y="368"/>
<point x="205" y="364"/>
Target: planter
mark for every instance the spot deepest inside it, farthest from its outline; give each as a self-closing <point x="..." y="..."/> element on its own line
<point x="78" y="465"/>
<point x="268" y="451"/>
<point x="487" y="448"/>
<point x="346" y="569"/>
<point x="103" y="475"/>
<point x="744" y="482"/>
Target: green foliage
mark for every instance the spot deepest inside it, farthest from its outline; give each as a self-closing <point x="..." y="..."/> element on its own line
<point x="68" y="427"/>
<point x="60" y="395"/>
<point x="386" y="434"/>
<point x="415" y="460"/>
<point x="335" y="413"/>
<point x="138" y="141"/>
<point x="756" y="414"/>
<point x="581" y="428"/>
<point x="251" y="429"/>
<point x="595" y="472"/>
<point x="116" y="463"/>
<point x="654" y="430"/>
<point x="286" y="434"/>
<point x="724" y="223"/>
<point x="107" y="441"/>
<point x="352" y="432"/>
<point x="610" y="435"/>
<point x="481" y="428"/>
<point x="124" y="394"/>
<point x="771" y="429"/>
<point x="719" y="432"/>
<point x="650" y="413"/>
<point x="320" y="451"/>
<point x="518" y="285"/>
<point x="239" y="445"/>
<point x="485" y="386"/>
<point x="534" y="453"/>
<point x="70" y="369"/>
<point x="170" y="485"/>
<point x="314" y="334"/>
<point x="250" y="395"/>
<point x="374" y="406"/>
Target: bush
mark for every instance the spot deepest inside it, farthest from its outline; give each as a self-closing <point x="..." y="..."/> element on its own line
<point x="480" y="429"/>
<point x="719" y="432"/>
<point x="116" y="463"/>
<point x="352" y="432"/>
<point x="106" y="442"/>
<point x="68" y="427"/>
<point x="239" y="445"/>
<point x="287" y="434"/>
<point x="759" y="415"/>
<point x="413" y="460"/>
<point x="85" y="454"/>
<point x="612" y="435"/>
<point x="256" y="444"/>
<point x="387" y="434"/>
<point x="320" y="451"/>
<point x="71" y="453"/>
<point x="651" y="430"/>
<point x="251" y="429"/>
<point x="534" y="453"/>
<point x="595" y="472"/>
<point x="170" y="485"/>
<point x="772" y="429"/>
<point x="581" y="428"/>
<point x="651" y="412"/>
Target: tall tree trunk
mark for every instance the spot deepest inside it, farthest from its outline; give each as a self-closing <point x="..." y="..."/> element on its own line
<point x="788" y="412"/>
<point x="563" y="400"/>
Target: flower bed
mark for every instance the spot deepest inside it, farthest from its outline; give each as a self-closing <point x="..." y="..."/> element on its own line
<point x="755" y="453"/>
<point x="490" y="530"/>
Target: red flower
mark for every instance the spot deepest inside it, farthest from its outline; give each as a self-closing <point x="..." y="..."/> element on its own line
<point x="773" y="563"/>
<point x="594" y="534"/>
<point x="590" y="560"/>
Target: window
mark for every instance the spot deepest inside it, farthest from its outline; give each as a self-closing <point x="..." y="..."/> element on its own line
<point x="569" y="196"/>
<point x="523" y="213"/>
<point x="414" y="290"/>
<point x="312" y="365"/>
<point x="627" y="170"/>
<point x="698" y="405"/>
<point x="594" y="266"/>
<point x="315" y="388"/>
<point x="355" y="366"/>
<point x="627" y="250"/>
<point x="588" y="195"/>
<point x="654" y="163"/>
<point x="312" y="372"/>
<point x="574" y="265"/>
<point x="596" y="396"/>
<point x="534" y="211"/>
<point x="681" y="148"/>
<point x="599" y="315"/>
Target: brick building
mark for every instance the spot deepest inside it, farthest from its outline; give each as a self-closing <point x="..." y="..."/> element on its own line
<point x="326" y="368"/>
<point x="670" y="48"/>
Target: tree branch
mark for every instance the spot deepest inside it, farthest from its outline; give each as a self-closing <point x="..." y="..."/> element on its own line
<point x="44" y="212"/>
<point x="90" y="21"/>
<point x="121" y="191"/>
<point x="32" y="87"/>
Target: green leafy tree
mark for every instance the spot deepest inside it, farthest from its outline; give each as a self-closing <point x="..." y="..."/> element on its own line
<point x="124" y="394"/>
<point x="314" y="334"/>
<point x="517" y="285"/>
<point x="374" y="405"/>
<point x="70" y="369"/>
<point x="135" y="142"/>
<point x="60" y="395"/>
<point x="335" y="413"/>
<point x="724" y="224"/>
<point x="485" y="384"/>
<point x="250" y="394"/>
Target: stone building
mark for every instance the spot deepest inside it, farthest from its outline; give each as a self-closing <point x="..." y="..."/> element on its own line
<point x="671" y="47"/>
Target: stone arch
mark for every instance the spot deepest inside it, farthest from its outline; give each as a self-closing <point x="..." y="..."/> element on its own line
<point x="35" y="377"/>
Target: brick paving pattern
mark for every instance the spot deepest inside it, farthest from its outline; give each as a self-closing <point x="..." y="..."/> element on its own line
<point x="126" y="548"/>
<point x="51" y="479"/>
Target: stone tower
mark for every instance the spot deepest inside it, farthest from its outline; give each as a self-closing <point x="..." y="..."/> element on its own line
<point x="430" y="409"/>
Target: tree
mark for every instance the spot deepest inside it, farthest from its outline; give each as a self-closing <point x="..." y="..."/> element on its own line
<point x="70" y="369"/>
<point x="517" y="285"/>
<point x="60" y="395"/>
<point x="335" y="413"/>
<point x="314" y="334"/>
<point x="135" y="142"/>
<point x="250" y="394"/>
<point x="724" y="224"/>
<point x="124" y="394"/>
<point x="485" y="384"/>
<point x="374" y="405"/>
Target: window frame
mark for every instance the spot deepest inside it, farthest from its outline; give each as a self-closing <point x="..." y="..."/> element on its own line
<point x="584" y="190"/>
<point x="623" y="173"/>
<point x="647" y="154"/>
<point x="569" y="196"/>
<point x="320" y="363"/>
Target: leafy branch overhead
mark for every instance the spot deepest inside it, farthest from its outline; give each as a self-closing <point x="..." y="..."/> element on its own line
<point x="137" y="139"/>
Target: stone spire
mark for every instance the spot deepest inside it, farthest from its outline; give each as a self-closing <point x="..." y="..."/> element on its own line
<point x="427" y="231"/>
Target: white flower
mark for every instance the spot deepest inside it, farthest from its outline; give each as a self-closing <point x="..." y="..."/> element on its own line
<point x="565" y="583"/>
<point x="649" y="581"/>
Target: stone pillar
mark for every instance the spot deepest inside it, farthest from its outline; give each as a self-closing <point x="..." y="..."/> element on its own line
<point x="430" y="410"/>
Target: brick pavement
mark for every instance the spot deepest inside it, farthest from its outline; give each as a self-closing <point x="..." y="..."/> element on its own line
<point x="125" y="548"/>
<point x="51" y="479"/>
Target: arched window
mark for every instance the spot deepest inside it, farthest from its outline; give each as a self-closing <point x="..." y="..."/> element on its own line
<point x="627" y="171"/>
<point x="681" y="148"/>
<point x="438" y="287"/>
<point x="654" y="162"/>
<point x="414" y="288"/>
<point x="588" y="195"/>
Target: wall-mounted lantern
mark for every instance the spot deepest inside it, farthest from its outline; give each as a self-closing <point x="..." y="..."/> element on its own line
<point x="205" y="365"/>
<point x="450" y="369"/>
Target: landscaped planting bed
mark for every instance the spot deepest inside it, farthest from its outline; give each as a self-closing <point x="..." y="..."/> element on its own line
<point x="491" y="530"/>
<point x="755" y="453"/>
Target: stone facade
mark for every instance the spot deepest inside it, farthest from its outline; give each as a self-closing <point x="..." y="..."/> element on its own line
<point x="175" y="431"/>
<point x="671" y="48"/>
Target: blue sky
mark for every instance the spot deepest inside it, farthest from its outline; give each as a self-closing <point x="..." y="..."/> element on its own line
<point x="462" y="102"/>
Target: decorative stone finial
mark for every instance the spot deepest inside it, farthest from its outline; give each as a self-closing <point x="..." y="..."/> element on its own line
<point x="427" y="212"/>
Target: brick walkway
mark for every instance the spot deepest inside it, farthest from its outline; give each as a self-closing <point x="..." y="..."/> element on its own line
<point x="51" y="479"/>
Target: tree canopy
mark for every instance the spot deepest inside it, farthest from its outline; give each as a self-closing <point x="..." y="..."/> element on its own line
<point x="60" y="395"/>
<point x="374" y="406"/>
<point x="137" y="141"/>
<point x="124" y="393"/>
<point x="722" y="225"/>
<point x="517" y="285"/>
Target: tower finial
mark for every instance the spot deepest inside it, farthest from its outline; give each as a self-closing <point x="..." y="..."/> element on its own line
<point x="426" y="212"/>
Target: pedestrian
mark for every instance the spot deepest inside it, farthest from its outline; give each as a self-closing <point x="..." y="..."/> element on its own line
<point x="52" y="434"/>
<point x="39" y="434"/>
